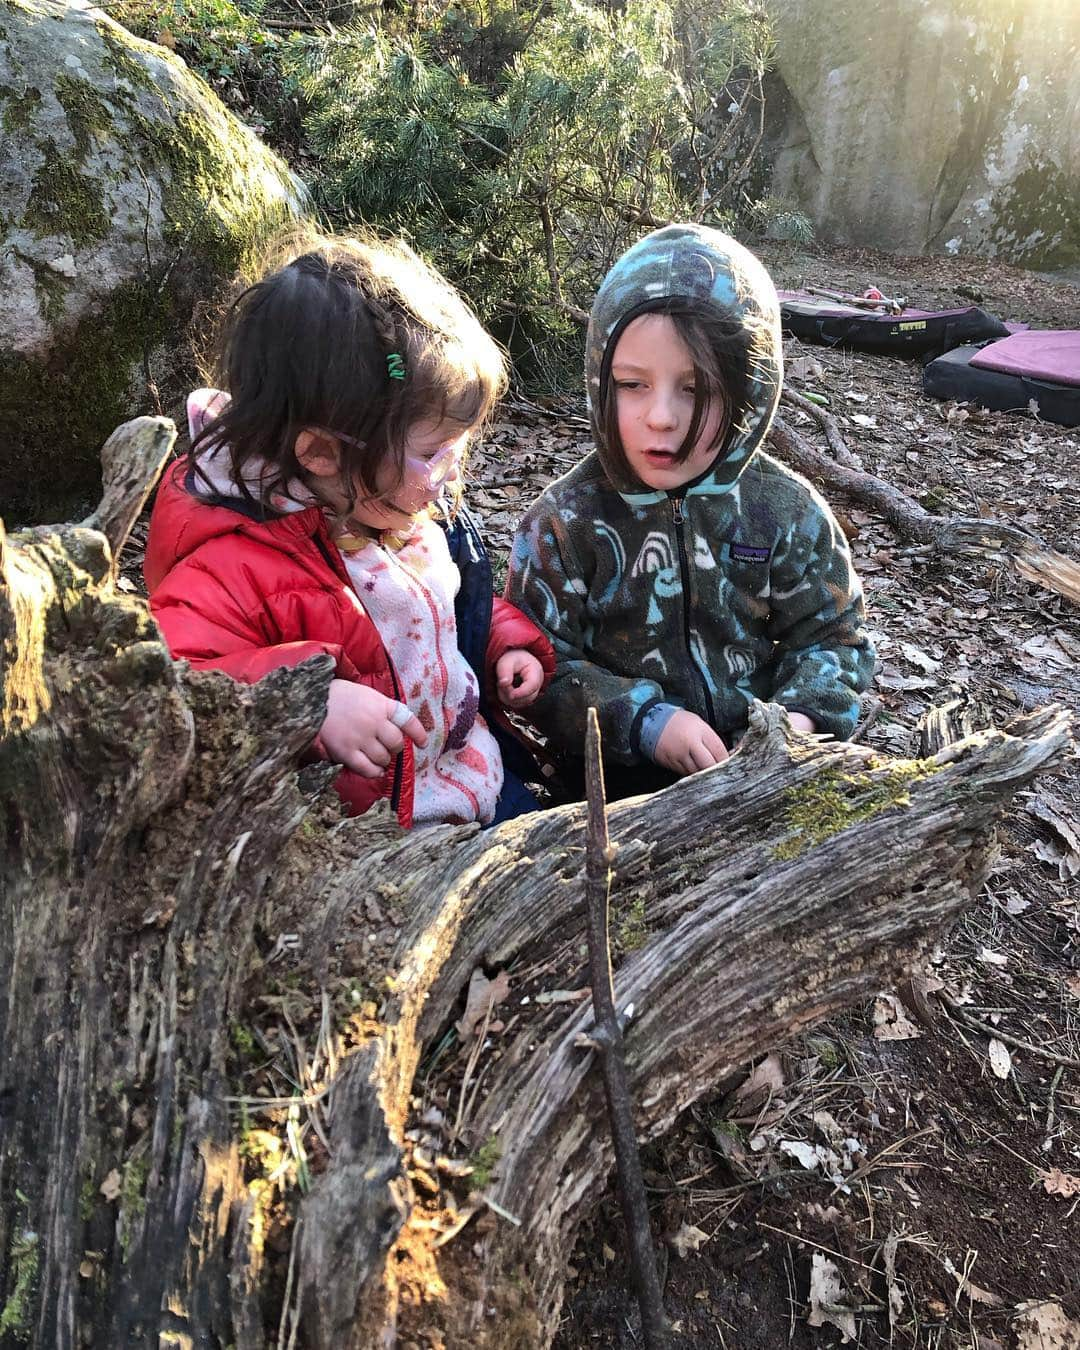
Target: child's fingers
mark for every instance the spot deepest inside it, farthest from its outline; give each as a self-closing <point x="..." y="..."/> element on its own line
<point x="390" y="737"/>
<point x="364" y="766"/>
<point x="532" y="677"/>
<point x="714" y="745"/>
<point x="374" y="752"/>
<point x="407" y="723"/>
<point x="698" y="758"/>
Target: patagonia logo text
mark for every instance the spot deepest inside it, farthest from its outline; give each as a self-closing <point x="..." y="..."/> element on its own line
<point x="748" y="553"/>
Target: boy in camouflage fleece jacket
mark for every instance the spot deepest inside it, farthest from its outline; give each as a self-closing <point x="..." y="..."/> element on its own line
<point x="679" y="571"/>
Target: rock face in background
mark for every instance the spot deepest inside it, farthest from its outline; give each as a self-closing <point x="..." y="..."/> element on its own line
<point x="933" y="125"/>
<point x="127" y="193"/>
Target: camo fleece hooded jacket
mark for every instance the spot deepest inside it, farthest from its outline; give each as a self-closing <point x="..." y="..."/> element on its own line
<point x="736" y="586"/>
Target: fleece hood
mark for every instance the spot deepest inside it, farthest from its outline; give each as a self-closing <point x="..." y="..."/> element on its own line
<point x="702" y="265"/>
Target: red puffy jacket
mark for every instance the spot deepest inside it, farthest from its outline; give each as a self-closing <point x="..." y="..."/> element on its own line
<point x="247" y="596"/>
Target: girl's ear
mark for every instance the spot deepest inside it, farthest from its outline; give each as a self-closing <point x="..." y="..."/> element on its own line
<point x="318" y="452"/>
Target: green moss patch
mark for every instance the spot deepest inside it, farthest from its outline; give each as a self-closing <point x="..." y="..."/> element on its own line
<point x="61" y="412"/>
<point x="19" y="110"/>
<point x="632" y="930"/>
<point x="1036" y="218"/>
<point x="120" y="61"/>
<point x="834" y="801"/>
<point x="15" y="1315"/>
<point x="65" y="201"/>
<point x="484" y="1161"/>
<point x="86" y="112"/>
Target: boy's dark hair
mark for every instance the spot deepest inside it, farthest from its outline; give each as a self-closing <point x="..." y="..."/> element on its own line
<point x="721" y="349"/>
<point x="307" y="346"/>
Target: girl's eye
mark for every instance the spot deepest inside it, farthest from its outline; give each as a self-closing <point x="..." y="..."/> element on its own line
<point x="627" y="384"/>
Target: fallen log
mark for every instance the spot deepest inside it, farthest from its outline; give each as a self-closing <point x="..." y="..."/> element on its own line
<point x="841" y="475"/>
<point x="184" y="914"/>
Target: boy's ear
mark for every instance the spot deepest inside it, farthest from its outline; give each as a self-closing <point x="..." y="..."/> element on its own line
<point x="318" y="452"/>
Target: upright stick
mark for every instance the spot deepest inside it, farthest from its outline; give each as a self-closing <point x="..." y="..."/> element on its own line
<point x="607" y="1037"/>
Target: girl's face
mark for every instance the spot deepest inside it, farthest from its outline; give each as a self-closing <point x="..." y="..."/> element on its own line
<point x="433" y="456"/>
<point x="652" y="374"/>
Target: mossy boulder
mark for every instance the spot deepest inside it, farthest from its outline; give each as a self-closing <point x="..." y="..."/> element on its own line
<point x="128" y="193"/>
<point x="932" y="125"/>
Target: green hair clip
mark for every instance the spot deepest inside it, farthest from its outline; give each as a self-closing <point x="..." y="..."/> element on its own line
<point x="395" y="366"/>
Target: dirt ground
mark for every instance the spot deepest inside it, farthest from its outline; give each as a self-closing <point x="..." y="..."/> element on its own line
<point x="911" y="1175"/>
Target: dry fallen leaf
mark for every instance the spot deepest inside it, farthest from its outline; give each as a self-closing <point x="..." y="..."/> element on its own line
<point x="973" y="1291"/>
<point x="826" y="1294"/>
<point x="482" y="994"/>
<point x="1044" y="1326"/>
<point x="1000" y="1059"/>
<point x="687" y="1239"/>
<point x="764" y="1081"/>
<point x="1057" y="1182"/>
<point x="1054" y="812"/>
<point x="891" y="1022"/>
<point x="990" y="958"/>
<point x="896" y="1298"/>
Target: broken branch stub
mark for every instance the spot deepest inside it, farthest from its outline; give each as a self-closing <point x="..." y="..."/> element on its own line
<point x="608" y="1043"/>
<point x="153" y="858"/>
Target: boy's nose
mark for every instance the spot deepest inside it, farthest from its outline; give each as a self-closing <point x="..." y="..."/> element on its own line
<point x="662" y="413"/>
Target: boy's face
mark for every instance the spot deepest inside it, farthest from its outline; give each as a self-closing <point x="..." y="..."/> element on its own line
<point x="652" y="374"/>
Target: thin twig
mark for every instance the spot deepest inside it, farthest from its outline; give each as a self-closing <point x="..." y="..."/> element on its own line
<point x="995" y="1033"/>
<point x="608" y="1041"/>
<point x="1051" y="1115"/>
<point x="282" y="1344"/>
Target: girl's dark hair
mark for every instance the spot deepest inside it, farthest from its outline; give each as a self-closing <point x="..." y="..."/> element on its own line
<point x="307" y="346"/>
<point x="721" y="347"/>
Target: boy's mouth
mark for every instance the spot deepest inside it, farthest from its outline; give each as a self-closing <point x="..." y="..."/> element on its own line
<point x="662" y="459"/>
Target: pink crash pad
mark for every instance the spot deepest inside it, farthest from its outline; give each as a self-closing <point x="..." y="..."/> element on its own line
<point x="1038" y="354"/>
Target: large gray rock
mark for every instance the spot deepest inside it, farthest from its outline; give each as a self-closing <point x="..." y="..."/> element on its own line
<point x="127" y="192"/>
<point x="934" y="125"/>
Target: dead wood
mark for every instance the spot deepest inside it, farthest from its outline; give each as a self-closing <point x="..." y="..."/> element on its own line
<point x="606" y="1038"/>
<point x="168" y="876"/>
<point x="838" y="447"/>
<point x="959" y="535"/>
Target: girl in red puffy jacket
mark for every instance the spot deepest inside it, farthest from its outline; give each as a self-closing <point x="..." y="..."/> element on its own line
<point x="318" y="513"/>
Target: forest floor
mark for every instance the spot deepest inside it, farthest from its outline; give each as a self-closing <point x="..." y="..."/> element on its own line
<point x="909" y="1176"/>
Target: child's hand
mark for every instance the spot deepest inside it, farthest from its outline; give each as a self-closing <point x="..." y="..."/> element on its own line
<point x="364" y="729"/>
<point x="800" y="722"/>
<point x="687" y="744"/>
<point x="519" y="676"/>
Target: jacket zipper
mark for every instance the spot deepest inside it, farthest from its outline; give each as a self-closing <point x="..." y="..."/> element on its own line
<point x="678" y="519"/>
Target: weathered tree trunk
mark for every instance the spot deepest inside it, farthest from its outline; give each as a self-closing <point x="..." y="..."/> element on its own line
<point x="174" y="891"/>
